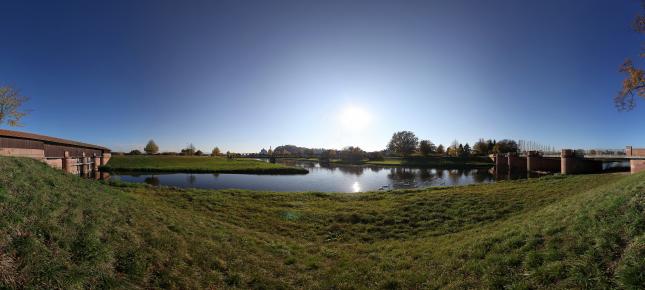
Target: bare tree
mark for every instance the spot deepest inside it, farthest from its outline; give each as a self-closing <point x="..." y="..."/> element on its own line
<point x="10" y="102"/>
<point x="634" y="82"/>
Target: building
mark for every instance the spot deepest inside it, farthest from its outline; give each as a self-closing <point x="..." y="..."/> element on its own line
<point x="70" y="156"/>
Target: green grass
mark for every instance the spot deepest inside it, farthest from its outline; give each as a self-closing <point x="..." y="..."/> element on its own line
<point x="60" y="231"/>
<point x="196" y="164"/>
<point x="434" y="161"/>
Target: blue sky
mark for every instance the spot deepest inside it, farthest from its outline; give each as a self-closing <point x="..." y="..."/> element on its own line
<point x="243" y="75"/>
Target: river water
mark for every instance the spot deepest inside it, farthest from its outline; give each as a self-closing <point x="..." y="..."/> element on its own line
<point x="327" y="178"/>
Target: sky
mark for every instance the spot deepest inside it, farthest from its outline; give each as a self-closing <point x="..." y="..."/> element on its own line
<point x="246" y="75"/>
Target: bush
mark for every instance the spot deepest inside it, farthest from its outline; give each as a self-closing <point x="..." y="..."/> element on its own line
<point x="352" y="155"/>
<point x="375" y="156"/>
<point x="135" y="152"/>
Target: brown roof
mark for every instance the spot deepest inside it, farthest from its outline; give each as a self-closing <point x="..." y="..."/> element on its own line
<point x="47" y="139"/>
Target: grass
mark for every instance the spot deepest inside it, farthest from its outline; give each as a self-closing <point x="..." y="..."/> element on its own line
<point x="557" y="232"/>
<point x="196" y="164"/>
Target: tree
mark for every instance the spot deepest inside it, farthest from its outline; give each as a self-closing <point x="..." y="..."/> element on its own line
<point x="375" y="156"/>
<point x="505" y="146"/>
<point x="440" y="149"/>
<point x="352" y="154"/>
<point x="135" y="152"/>
<point x="481" y="147"/>
<point x="466" y="152"/>
<point x="326" y="156"/>
<point x="189" y="151"/>
<point x="199" y="153"/>
<point x="403" y="142"/>
<point x="634" y="82"/>
<point x="460" y="150"/>
<point x="216" y="152"/>
<point x="452" y="149"/>
<point x="10" y="102"/>
<point x="426" y="147"/>
<point x="151" y="147"/>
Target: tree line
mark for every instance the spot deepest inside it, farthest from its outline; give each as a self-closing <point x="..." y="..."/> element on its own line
<point x="152" y="148"/>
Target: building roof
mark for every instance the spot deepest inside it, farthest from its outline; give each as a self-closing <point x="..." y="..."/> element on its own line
<point x="47" y="139"/>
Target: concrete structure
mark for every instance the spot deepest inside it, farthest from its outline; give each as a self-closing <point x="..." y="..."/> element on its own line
<point x="573" y="164"/>
<point x="635" y="164"/>
<point x="535" y="162"/>
<point x="70" y="156"/>
<point x="516" y="163"/>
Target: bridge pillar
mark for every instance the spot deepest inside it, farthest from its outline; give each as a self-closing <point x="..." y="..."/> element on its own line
<point x="96" y="163"/>
<point x="635" y="165"/>
<point x="69" y="164"/>
<point x="567" y="157"/>
<point x="572" y="164"/>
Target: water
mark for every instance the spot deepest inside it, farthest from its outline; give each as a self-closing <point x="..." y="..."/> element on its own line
<point x="336" y="178"/>
<point x="324" y="178"/>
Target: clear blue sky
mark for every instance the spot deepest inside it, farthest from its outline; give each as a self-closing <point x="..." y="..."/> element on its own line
<point x="244" y="75"/>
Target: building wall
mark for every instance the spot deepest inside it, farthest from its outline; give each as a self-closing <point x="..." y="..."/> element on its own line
<point x="22" y="152"/>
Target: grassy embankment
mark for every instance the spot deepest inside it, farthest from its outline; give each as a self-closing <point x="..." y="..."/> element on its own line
<point x="196" y="164"/>
<point x="60" y="231"/>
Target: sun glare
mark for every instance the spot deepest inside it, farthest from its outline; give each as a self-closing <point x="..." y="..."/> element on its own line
<point x="354" y="118"/>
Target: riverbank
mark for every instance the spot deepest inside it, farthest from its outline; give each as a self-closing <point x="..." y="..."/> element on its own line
<point x="61" y="231"/>
<point x="422" y="162"/>
<point x="195" y="164"/>
<point x="435" y="161"/>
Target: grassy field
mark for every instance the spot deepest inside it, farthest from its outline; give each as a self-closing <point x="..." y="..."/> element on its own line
<point x="60" y="231"/>
<point x="196" y="164"/>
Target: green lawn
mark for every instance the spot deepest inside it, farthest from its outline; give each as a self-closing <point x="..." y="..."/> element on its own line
<point x="196" y="164"/>
<point x="60" y="231"/>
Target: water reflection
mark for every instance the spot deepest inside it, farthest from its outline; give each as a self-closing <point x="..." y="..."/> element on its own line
<point x="152" y="180"/>
<point x="322" y="177"/>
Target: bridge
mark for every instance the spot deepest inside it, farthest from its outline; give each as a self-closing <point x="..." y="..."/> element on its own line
<point x="569" y="161"/>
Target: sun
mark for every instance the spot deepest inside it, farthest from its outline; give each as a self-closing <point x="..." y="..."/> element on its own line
<point x="354" y="118"/>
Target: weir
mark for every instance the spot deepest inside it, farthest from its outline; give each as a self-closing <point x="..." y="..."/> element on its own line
<point x="71" y="156"/>
<point x="568" y="162"/>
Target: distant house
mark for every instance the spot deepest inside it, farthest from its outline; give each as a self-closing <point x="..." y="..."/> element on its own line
<point x="263" y="152"/>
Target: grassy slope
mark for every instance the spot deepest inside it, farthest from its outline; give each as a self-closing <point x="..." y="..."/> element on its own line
<point x="60" y="231"/>
<point x="196" y="164"/>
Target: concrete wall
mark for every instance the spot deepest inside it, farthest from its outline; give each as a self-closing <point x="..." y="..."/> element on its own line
<point x="636" y="165"/>
<point x="572" y="164"/>
<point x="516" y="163"/>
<point x="55" y="163"/>
<point x="20" y="152"/>
<point x="501" y="162"/>
<point x="537" y="163"/>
